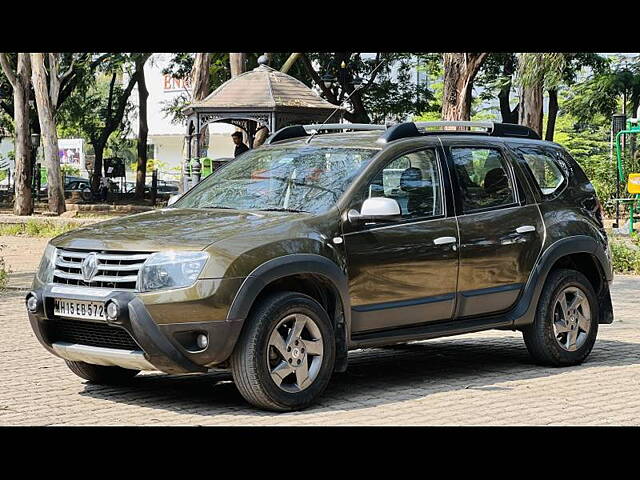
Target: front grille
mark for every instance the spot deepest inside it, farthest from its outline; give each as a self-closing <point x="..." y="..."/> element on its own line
<point x="117" y="271"/>
<point x="89" y="333"/>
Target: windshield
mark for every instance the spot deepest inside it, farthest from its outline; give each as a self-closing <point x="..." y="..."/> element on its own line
<point x="307" y="179"/>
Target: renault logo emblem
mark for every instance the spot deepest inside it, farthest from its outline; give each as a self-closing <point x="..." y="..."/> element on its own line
<point x="89" y="267"/>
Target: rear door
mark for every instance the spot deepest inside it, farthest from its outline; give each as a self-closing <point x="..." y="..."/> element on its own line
<point x="500" y="227"/>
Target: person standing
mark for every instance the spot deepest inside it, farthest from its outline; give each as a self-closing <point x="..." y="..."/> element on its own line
<point x="240" y="147"/>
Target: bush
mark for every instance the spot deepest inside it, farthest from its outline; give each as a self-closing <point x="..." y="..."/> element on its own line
<point x="4" y="272"/>
<point x="626" y="257"/>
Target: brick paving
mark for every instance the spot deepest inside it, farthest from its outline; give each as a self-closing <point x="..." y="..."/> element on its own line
<point x="484" y="378"/>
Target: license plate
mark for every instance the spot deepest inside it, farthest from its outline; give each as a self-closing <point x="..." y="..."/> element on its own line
<point x="63" y="307"/>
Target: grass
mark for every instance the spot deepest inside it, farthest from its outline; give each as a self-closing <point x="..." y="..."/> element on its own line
<point x="35" y="228"/>
<point x="4" y="272"/>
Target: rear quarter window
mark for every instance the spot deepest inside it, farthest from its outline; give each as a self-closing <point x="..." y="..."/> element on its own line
<point x="547" y="168"/>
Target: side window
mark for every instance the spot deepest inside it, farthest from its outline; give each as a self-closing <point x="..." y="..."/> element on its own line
<point x="414" y="181"/>
<point x="483" y="177"/>
<point x="543" y="168"/>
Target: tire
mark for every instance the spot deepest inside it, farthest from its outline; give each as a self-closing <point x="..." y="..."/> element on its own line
<point x="101" y="375"/>
<point x="544" y="343"/>
<point x="255" y="357"/>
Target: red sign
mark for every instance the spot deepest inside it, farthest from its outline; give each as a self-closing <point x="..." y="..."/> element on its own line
<point x="172" y="84"/>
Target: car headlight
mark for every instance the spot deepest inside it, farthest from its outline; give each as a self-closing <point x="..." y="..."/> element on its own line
<point x="47" y="264"/>
<point x="171" y="269"/>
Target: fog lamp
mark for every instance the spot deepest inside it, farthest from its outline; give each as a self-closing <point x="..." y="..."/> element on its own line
<point x="32" y="303"/>
<point x="202" y="340"/>
<point x="112" y="310"/>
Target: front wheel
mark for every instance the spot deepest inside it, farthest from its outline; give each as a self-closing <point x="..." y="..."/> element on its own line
<point x="286" y="353"/>
<point x="566" y="322"/>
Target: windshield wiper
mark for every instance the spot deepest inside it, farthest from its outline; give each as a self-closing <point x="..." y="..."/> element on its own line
<point x="279" y="209"/>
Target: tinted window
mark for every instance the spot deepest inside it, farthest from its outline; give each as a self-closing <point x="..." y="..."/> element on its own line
<point x="414" y="181"/>
<point x="483" y="177"/>
<point x="544" y="169"/>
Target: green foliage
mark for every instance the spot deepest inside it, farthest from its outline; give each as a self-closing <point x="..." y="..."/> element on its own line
<point x="588" y="144"/>
<point x="391" y="96"/>
<point x="70" y="171"/>
<point x="36" y="228"/>
<point x="602" y="93"/>
<point x="545" y="68"/>
<point x="4" y="272"/>
<point x="626" y="256"/>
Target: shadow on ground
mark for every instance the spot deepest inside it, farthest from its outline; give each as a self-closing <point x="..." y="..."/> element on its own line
<point x="375" y="376"/>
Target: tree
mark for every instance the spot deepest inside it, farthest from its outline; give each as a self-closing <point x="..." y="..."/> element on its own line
<point x="535" y="72"/>
<point x="47" y="94"/>
<point x="496" y="79"/>
<point x="460" y="69"/>
<point x="143" y="126"/>
<point x="390" y="93"/>
<point x="20" y="81"/>
<point x="98" y="108"/>
<point x="238" y="63"/>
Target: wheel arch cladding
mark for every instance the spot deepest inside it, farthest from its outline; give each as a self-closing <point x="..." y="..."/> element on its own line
<point x="581" y="253"/>
<point x="313" y="275"/>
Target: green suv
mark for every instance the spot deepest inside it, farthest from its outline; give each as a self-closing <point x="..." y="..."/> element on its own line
<point x="323" y="241"/>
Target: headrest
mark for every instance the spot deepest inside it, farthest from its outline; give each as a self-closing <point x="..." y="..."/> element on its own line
<point x="411" y="179"/>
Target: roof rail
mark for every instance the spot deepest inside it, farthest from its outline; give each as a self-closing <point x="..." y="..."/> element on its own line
<point x="494" y="129"/>
<point x="296" y="131"/>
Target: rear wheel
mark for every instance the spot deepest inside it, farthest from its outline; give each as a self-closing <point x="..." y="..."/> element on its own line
<point x="285" y="356"/>
<point x="566" y="323"/>
<point x="101" y="375"/>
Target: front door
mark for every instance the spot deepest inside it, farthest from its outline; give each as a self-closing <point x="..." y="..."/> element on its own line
<point x="500" y="233"/>
<point x="404" y="272"/>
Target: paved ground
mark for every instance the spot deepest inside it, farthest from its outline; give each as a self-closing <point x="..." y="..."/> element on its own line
<point x="485" y="378"/>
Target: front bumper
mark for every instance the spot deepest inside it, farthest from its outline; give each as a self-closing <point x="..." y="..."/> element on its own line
<point x="161" y="345"/>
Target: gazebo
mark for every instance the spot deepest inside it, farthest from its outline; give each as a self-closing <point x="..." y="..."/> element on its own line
<point x="260" y="98"/>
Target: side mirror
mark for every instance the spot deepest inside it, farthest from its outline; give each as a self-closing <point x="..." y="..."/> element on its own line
<point x="173" y="199"/>
<point x="376" y="209"/>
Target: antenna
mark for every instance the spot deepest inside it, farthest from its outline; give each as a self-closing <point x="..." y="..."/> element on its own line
<point x="359" y="87"/>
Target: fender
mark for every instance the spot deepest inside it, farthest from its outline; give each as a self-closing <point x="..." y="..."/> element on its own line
<point x="524" y="312"/>
<point x="293" y="264"/>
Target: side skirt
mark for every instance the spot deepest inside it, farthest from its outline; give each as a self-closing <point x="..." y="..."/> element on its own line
<point x="424" y="332"/>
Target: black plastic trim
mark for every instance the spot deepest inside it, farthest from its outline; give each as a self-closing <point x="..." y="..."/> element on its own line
<point x="134" y="318"/>
<point x="288" y="265"/>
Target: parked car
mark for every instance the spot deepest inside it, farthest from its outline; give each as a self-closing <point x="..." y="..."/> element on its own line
<point x="164" y="187"/>
<point x="277" y="265"/>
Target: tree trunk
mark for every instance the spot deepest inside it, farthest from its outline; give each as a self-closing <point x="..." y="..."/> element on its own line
<point x="23" y="204"/>
<point x="200" y="91"/>
<point x="98" y="149"/>
<point x="261" y="136"/>
<point x="238" y="64"/>
<point x="290" y="61"/>
<point x="143" y="128"/>
<point x="200" y="76"/>
<point x="49" y="135"/>
<point x="553" y="114"/>
<point x="530" y="113"/>
<point x="460" y="69"/>
<point x="508" y="115"/>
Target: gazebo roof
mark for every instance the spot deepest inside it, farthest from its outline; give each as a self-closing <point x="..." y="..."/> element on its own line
<point x="261" y="88"/>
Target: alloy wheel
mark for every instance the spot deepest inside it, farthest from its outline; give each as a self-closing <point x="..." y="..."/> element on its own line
<point x="294" y="353"/>
<point x="571" y="318"/>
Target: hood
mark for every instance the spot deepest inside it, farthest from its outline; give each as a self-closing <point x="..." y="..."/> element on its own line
<point x="171" y="228"/>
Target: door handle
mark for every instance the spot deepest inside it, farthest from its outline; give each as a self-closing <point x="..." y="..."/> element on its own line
<point x="525" y="229"/>
<point x="444" y="240"/>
